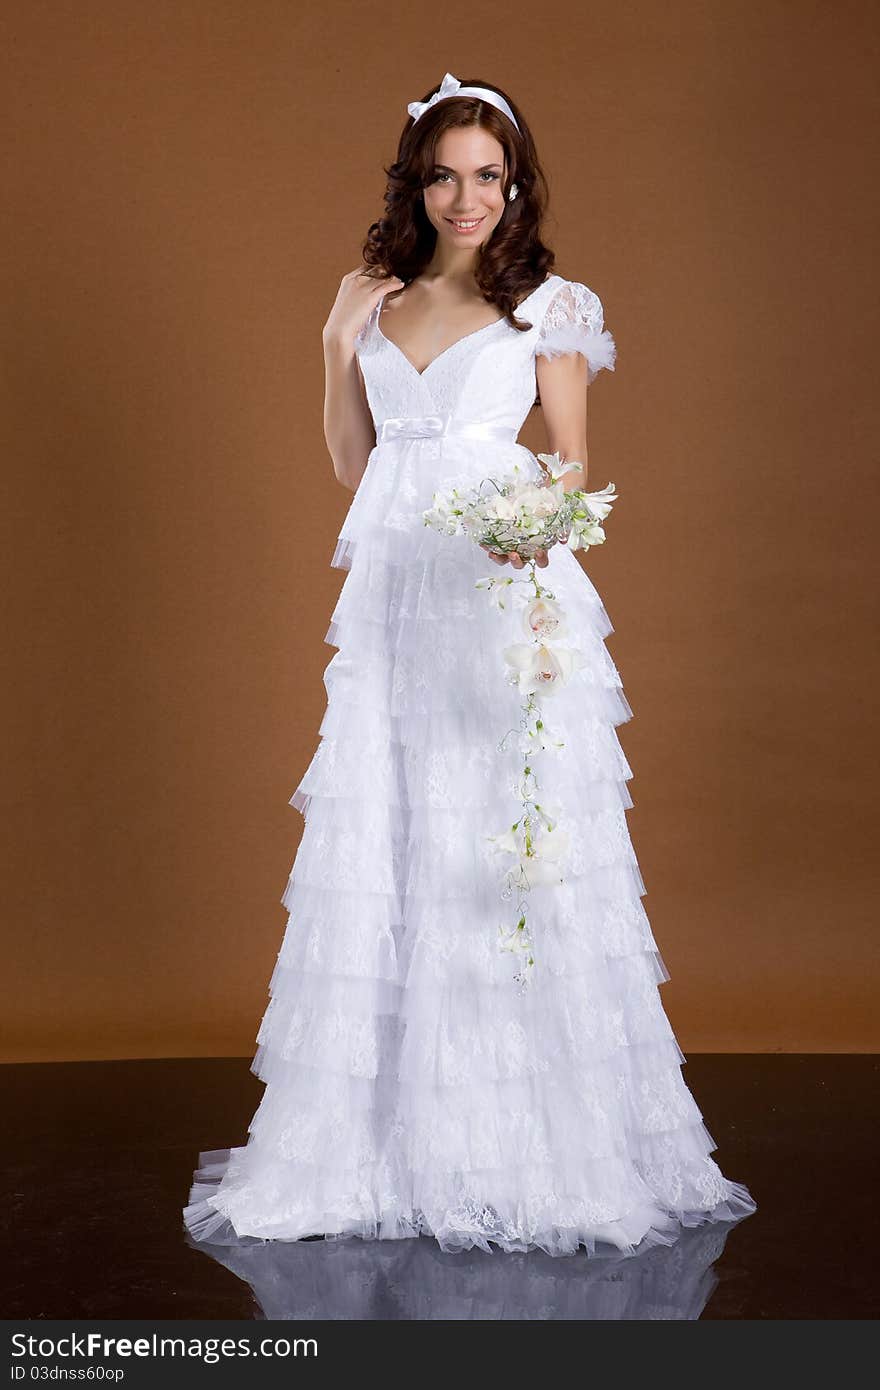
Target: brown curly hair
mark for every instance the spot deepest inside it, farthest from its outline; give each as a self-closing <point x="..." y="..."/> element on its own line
<point x="514" y="261"/>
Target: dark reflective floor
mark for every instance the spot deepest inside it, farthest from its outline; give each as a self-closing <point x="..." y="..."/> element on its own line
<point x="102" y="1158"/>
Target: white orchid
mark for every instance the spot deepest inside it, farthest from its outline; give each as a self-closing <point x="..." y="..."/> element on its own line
<point x="538" y="855"/>
<point x="445" y="514"/>
<point x="586" y="532"/>
<point x="540" y="668"/>
<point x="496" y="587"/>
<point x="504" y="844"/>
<point x="545" y="619"/>
<point x="539" y="740"/>
<point x="539" y="501"/>
<point x="548" y="812"/>
<point x="543" y="865"/>
<point x="519" y="943"/>
<point x="502" y="506"/>
<point x="599" y="503"/>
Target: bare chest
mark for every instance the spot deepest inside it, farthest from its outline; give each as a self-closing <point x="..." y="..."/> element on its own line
<point x="423" y="332"/>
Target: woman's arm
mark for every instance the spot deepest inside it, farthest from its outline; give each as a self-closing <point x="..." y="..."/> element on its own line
<point x="348" y="424"/>
<point x="562" y="382"/>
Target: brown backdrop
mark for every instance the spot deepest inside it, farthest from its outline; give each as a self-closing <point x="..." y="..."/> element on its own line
<point x="186" y="186"/>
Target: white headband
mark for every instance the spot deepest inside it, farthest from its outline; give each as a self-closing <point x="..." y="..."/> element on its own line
<point x="451" y="87"/>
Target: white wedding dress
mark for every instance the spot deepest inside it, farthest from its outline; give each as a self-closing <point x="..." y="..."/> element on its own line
<point x="410" y="1086"/>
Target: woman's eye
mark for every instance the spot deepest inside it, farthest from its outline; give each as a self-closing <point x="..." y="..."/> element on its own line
<point x="486" y="173"/>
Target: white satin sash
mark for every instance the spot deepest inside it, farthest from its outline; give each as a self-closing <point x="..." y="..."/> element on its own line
<point x="432" y="426"/>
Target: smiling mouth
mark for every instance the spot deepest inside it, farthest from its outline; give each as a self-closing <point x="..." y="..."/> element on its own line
<point x="466" y="225"/>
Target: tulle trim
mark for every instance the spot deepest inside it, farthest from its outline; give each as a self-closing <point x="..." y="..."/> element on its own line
<point x="338" y="1129"/>
<point x="458" y="1220"/>
<point x="372" y="696"/>
<point x="371" y="878"/>
<point x="598" y="348"/>
<point x="459" y="1033"/>
<point x="389" y="590"/>
<point x="343" y="553"/>
<point x="644" y="1075"/>
<point x="594" y="796"/>
<point x="442" y="940"/>
<point x="445" y="857"/>
<point x="350" y="933"/>
<point x="468" y="762"/>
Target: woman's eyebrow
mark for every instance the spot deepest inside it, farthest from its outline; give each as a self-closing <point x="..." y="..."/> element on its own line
<point x="448" y="170"/>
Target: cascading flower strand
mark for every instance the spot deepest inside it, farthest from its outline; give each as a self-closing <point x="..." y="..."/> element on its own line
<point x="524" y="517"/>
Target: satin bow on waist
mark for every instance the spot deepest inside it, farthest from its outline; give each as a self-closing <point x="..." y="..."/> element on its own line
<point x="432" y="426"/>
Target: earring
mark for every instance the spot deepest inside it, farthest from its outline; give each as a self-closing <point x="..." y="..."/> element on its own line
<point x="513" y="192"/>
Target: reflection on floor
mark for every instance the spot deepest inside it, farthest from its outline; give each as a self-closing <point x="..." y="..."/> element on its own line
<point x="416" y="1280"/>
<point x="104" y="1153"/>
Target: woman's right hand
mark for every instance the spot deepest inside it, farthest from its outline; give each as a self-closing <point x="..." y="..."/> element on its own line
<point x="356" y="298"/>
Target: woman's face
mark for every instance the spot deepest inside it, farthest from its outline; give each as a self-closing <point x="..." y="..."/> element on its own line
<point x="467" y="187"/>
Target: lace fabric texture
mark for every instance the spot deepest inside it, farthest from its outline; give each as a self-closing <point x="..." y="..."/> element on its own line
<point x="409" y="1087"/>
<point x="574" y="322"/>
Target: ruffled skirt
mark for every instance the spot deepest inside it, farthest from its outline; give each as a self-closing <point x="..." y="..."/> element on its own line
<point x="410" y="1086"/>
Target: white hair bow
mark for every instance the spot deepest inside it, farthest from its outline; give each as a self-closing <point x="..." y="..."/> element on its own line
<point x="448" y="88"/>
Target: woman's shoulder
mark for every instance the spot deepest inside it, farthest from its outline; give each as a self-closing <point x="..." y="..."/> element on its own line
<point x="542" y="289"/>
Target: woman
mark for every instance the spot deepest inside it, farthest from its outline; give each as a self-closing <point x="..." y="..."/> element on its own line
<point x="410" y="1087"/>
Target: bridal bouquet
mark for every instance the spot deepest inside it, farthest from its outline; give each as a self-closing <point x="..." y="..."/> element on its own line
<point x="520" y="515"/>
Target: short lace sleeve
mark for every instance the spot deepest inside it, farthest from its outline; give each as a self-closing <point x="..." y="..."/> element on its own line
<point x="574" y="322"/>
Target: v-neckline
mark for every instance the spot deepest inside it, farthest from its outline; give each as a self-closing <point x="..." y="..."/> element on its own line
<point x="463" y="339"/>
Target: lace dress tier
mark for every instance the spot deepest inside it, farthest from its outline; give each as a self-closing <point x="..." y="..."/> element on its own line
<point x="410" y="1087"/>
